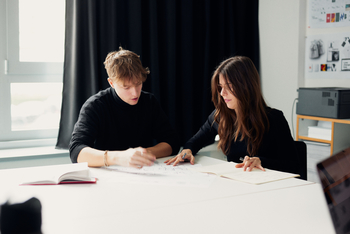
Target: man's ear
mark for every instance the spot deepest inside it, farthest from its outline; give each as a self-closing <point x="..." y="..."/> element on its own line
<point x="110" y="82"/>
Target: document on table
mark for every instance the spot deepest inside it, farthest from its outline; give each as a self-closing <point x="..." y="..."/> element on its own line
<point x="161" y="174"/>
<point x="158" y="168"/>
<point x="256" y="176"/>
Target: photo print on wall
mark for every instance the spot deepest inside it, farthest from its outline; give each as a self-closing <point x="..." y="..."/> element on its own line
<point x="328" y="56"/>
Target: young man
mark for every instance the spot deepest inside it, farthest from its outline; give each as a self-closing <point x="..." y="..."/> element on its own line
<point x="122" y="124"/>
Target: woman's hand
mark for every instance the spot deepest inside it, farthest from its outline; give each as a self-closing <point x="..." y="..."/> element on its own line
<point x="185" y="154"/>
<point x="134" y="157"/>
<point x="249" y="163"/>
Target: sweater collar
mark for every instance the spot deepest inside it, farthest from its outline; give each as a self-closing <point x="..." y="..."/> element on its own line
<point x="121" y="103"/>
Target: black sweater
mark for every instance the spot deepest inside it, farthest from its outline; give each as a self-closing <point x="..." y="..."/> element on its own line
<point x="276" y="152"/>
<point x="108" y="123"/>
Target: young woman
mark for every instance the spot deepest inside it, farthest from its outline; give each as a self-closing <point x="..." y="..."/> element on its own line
<point x="247" y="127"/>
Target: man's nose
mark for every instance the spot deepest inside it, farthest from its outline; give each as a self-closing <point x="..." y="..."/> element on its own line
<point x="134" y="91"/>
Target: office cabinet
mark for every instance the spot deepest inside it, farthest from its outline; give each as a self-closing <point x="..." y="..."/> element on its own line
<point x="335" y="138"/>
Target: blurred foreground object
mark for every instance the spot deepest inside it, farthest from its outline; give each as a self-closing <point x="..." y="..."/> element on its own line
<point x="21" y="217"/>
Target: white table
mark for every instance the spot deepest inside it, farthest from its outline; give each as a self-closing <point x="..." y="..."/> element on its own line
<point x="226" y="206"/>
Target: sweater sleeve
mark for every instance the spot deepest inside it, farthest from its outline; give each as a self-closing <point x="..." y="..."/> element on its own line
<point x="278" y="151"/>
<point x="205" y="136"/>
<point x="162" y="129"/>
<point x="85" y="130"/>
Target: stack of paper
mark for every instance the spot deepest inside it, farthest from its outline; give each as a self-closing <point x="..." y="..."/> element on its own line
<point x="323" y="130"/>
<point x="316" y="152"/>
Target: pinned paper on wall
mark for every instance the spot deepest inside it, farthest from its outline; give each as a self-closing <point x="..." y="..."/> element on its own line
<point x="327" y="56"/>
<point x="328" y="13"/>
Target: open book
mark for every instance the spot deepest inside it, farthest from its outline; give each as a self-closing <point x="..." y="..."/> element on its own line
<point x="256" y="176"/>
<point x="60" y="174"/>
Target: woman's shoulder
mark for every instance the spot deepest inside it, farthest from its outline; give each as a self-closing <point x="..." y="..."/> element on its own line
<point x="274" y="113"/>
<point x="276" y="117"/>
<point x="212" y="116"/>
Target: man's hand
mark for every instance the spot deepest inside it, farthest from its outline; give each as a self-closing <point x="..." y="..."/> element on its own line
<point x="135" y="157"/>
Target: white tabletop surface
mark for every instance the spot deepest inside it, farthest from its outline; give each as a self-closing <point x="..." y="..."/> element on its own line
<point x="113" y="205"/>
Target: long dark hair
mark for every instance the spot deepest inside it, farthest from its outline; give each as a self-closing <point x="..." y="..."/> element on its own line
<point x="249" y="121"/>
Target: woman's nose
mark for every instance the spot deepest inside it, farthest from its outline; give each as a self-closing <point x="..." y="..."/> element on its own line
<point x="222" y="92"/>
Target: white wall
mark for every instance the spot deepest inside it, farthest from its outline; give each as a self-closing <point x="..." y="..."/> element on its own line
<point x="283" y="30"/>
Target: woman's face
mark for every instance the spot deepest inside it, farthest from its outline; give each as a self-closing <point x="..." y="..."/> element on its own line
<point x="227" y="95"/>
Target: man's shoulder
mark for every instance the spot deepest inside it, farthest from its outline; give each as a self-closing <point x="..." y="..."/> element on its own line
<point x="148" y="98"/>
<point x="102" y="93"/>
<point x="98" y="98"/>
<point x="148" y="95"/>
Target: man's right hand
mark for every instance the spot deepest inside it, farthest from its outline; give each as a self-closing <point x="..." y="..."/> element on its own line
<point x="134" y="157"/>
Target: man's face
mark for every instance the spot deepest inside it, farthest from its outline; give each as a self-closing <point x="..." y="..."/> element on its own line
<point x="127" y="90"/>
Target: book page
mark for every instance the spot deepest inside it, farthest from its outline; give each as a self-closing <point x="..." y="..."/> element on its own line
<point x="218" y="169"/>
<point x="51" y="174"/>
<point x="79" y="174"/>
<point x="256" y="176"/>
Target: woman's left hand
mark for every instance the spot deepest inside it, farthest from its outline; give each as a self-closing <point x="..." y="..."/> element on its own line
<point x="249" y="163"/>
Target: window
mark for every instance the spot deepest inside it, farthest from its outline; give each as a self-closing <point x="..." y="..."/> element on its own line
<point x="32" y="41"/>
<point x="41" y="32"/>
<point x="35" y="110"/>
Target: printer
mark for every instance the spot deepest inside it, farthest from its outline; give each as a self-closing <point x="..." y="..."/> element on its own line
<point x="328" y="102"/>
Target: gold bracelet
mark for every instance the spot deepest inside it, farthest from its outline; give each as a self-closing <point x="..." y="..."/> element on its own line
<point x="105" y="162"/>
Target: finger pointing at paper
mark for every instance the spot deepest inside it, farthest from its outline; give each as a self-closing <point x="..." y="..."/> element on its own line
<point x="249" y="163"/>
<point x="185" y="154"/>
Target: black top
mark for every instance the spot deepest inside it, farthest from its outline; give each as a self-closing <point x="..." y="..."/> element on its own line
<point x="108" y="123"/>
<point x="276" y="152"/>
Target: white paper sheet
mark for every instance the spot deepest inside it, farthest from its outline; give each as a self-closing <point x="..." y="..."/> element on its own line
<point x="256" y="176"/>
<point x="162" y="174"/>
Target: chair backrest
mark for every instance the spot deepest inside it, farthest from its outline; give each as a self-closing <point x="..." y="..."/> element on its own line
<point x="302" y="158"/>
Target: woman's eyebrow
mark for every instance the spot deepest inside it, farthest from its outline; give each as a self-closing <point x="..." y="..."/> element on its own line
<point x="224" y="84"/>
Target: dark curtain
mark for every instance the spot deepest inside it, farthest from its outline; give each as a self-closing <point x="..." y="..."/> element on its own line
<point x="181" y="41"/>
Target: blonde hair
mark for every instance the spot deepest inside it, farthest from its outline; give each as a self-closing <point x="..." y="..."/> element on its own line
<point x="125" y="65"/>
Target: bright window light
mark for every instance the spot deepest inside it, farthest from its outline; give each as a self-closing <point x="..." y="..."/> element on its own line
<point x="35" y="105"/>
<point x="41" y="30"/>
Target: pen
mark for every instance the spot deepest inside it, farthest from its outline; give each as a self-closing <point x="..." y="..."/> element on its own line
<point x="183" y="156"/>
